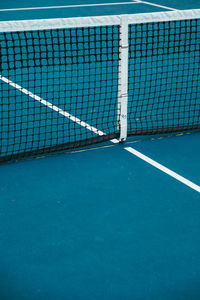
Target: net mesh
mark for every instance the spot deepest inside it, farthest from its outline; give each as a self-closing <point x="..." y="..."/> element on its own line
<point x="76" y="71"/>
<point x="164" y="77"/>
<point x="60" y="87"/>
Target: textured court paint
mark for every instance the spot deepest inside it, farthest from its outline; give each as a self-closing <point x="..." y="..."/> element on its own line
<point x="97" y="225"/>
<point x="33" y="24"/>
<point x="68" y="6"/>
<point x="164" y="169"/>
<point x="184" y="4"/>
<point x="77" y="12"/>
<point x="154" y="4"/>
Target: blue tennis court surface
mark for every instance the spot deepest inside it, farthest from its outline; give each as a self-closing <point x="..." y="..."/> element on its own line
<point x="110" y="221"/>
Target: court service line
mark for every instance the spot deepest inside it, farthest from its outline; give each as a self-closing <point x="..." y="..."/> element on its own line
<point x="68" y="6"/>
<point x="55" y="108"/>
<point x="154" y="4"/>
<point x="163" y="169"/>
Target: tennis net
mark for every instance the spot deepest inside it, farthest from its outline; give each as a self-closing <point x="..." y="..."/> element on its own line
<point x="67" y="83"/>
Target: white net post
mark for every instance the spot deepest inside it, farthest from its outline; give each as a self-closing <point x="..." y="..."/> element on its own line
<point x="123" y="79"/>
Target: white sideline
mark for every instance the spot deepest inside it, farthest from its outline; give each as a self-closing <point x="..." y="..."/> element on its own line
<point x="55" y="108"/>
<point x="67" y="6"/>
<point x="51" y="106"/>
<point x="100" y="133"/>
<point x="42" y="24"/>
<point x="154" y="4"/>
<point x="163" y="169"/>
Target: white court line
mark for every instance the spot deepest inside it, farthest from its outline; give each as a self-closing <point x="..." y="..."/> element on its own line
<point x="164" y="169"/>
<point x="55" y="108"/>
<point x="154" y="4"/>
<point x="68" y="6"/>
<point x="51" y="106"/>
<point x="100" y="133"/>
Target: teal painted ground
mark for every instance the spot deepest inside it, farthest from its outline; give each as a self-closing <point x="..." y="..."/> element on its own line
<point x="101" y="224"/>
